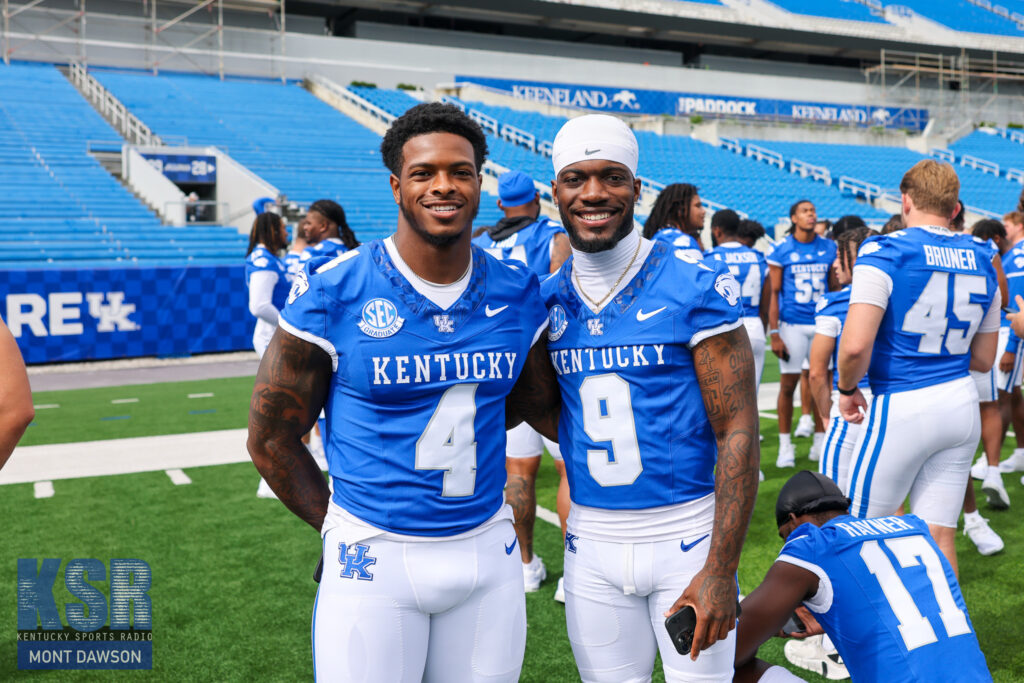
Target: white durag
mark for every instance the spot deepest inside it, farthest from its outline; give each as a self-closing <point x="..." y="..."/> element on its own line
<point x="595" y="136"/>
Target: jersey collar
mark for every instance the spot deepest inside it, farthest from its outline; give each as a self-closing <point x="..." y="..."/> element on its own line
<point x="623" y="300"/>
<point x="421" y="305"/>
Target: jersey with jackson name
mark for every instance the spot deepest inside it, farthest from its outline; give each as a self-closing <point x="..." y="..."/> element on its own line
<point x="674" y="237"/>
<point x="530" y="245"/>
<point x="260" y="259"/>
<point x="889" y="600"/>
<point x="633" y="429"/>
<point x="831" y="313"/>
<point x="804" y="276"/>
<point x="943" y="284"/>
<point x="332" y="246"/>
<point x="416" y="405"/>
<point x="749" y="268"/>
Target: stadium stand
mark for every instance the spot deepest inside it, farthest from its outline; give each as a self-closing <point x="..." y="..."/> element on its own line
<point x="760" y="190"/>
<point x="833" y="9"/>
<point x="60" y="205"/>
<point x="884" y="166"/>
<point x="281" y="132"/>
<point x="961" y="15"/>
<point x="991" y="146"/>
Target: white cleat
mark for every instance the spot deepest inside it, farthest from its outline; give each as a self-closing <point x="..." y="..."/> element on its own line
<point x="1015" y="463"/>
<point x="760" y="475"/>
<point x="808" y="653"/>
<point x="560" y="591"/>
<point x="979" y="468"/>
<point x="264" y="490"/>
<point x="534" y="574"/>
<point x="815" y="454"/>
<point x="804" y="427"/>
<point x="787" y="456"/>
<point x="994" y="490"/>
<point x="981" y="534"/>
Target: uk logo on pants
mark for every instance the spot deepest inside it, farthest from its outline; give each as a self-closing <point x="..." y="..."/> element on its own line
<point x="355" y="562"/>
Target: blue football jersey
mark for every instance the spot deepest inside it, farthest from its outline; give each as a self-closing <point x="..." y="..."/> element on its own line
<point x="835" y="305"/>
<point x="292" y="263"/>
<point x="889" y="600"/>
<point x="530" y="245"/>
<point x="674" y="237"/>
<point x="416" y="405"/>
<point x="804" y="276"/>
<point x="633" y="430"/>
<point x="749" y="268"/>
<point x="1013" y="267"/>
<point x="262" y="259"/>
<point x="332" y="246"/>
<point x="943" y="285"/>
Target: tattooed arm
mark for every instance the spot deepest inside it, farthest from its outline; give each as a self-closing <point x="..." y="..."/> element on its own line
<point x="724" y="365"/>
<point x="535" y="398"/>
<point x="291" y="388"/>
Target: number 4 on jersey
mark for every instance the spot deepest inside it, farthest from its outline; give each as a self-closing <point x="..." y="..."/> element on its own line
<point x="449" y="441"/>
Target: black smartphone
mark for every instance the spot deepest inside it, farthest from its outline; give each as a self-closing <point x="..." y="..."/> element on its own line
<point x="793" y="625"/>
<point x="319" y="571"/>
<point x="680" y="626"/>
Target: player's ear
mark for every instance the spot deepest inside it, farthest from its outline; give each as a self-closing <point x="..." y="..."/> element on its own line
<point x="637" y="186"/>
<point x="395" y="188"/>
<point x="554" y="193"/>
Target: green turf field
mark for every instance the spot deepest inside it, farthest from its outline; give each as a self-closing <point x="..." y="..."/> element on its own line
<point x="232" y="589"/>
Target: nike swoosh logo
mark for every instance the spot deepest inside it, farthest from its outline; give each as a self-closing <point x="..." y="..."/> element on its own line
<point x="588" y="152"/>
<point x="641" y="316"/>
<point x="821" y="253"/>
<point x="491" y="312"/>
<point x="510" y="548"/>
<point x="687" y="547"/>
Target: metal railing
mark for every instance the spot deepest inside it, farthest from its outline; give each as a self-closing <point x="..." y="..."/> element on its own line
<point x="112" y="109"/>
<point x="806" y="170"/>
<point x="766" y="155"/>
<point x="859" y="188"/>
<point x="943" y="154"/>
<point x="1015" y="175"/>
<point x="731" y="144"/>
<point x="982" y="165"/>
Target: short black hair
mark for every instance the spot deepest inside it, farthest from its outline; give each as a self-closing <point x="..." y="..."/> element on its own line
<point x="988" y="228"/>
<point x="750" y="230"/>
<point x="728" y="221"/>
<point x="847" y="223"/>
<point x="431" y="117"/>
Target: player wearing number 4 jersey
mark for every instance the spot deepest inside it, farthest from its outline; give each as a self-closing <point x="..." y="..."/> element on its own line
<point x="656" y="377"/>
<point x="923" y="312"/>
<point x="416" y="346"/>
<point x="878" y="587"/>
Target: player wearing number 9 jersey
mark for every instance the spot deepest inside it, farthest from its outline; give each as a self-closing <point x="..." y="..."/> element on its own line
<point x="879" y="588"/>
<point x="656" y="376"/>
<point x="923" y="312"/>
<point x="416" y="347"/>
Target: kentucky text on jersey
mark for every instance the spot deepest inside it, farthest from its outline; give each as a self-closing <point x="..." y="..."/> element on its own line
<point x="416" y="369"/>
<point x="947" y="257"/>
<point x="568" y="361"/>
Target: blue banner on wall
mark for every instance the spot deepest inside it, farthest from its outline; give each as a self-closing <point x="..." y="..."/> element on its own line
<point x="636" y="101"/>
<point x="184" y="168"/>
<point x="93" y="314"/>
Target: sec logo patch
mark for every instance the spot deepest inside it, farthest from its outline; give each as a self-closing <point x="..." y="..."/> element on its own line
<point x="380" y="319"/>
<point x="557" y="322"/>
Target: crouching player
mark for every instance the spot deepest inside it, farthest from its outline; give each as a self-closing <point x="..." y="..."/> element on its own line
<point x="880" y="588"/>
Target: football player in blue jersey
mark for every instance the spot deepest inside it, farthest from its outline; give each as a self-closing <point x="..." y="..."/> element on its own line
<point x="658" y="425"/>
<point x="798" y="268"/>
<point x="327" y="230"/>
<point x="879" y="587"/>
<point x="526" y="236"/>
<point x="677" y="218"/>
<point x="423" y="349"/>
<point x="749" y="268"/>
<point x="293" y="259"/>
<point x="828" y="326"/>
<point x="924" y="310"/>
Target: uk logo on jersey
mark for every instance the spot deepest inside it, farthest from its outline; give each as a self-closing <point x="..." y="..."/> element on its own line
<point x="299" y="286"/>
<point x="869" y="248"/>
<point x="557" y="322"/>
<point x="595" y="327"/>
<point x="444" y="324"/>
<point x="380" y="318"/>
<point x="355" y="563"/>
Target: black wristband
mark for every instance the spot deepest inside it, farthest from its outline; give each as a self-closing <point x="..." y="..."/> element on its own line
<point x="846" y="392"/>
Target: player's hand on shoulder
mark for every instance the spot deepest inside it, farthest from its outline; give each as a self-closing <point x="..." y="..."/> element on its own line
<point x="713" y="598"/>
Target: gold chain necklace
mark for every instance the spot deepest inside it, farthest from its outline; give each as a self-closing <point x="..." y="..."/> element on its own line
<point x="597" y="304"/>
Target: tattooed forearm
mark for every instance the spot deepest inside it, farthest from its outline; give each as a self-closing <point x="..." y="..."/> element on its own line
<point x="291" y="388"/>
<point x="522" y="496"/>
<point x="725" y="370"/>
<point x="535" y="399"/>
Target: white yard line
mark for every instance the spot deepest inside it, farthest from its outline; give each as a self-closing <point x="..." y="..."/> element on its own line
<point x="202" y="395"/>
<point x="46" y="406"/>
<point x="178" y="478"/>
<point x="125" y="400"/>
<point x="548" y="516"/>
<point x="43" y="489"/>
<point x="123" y="456"/>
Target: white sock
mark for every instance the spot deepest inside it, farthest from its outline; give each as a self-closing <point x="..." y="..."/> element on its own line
<point x="972" y="517"/>
<point x="785" y="439"/>
<point x="1018" y="453"/>
<point x="819" y="438"/>
<point x="777" y="674"/>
